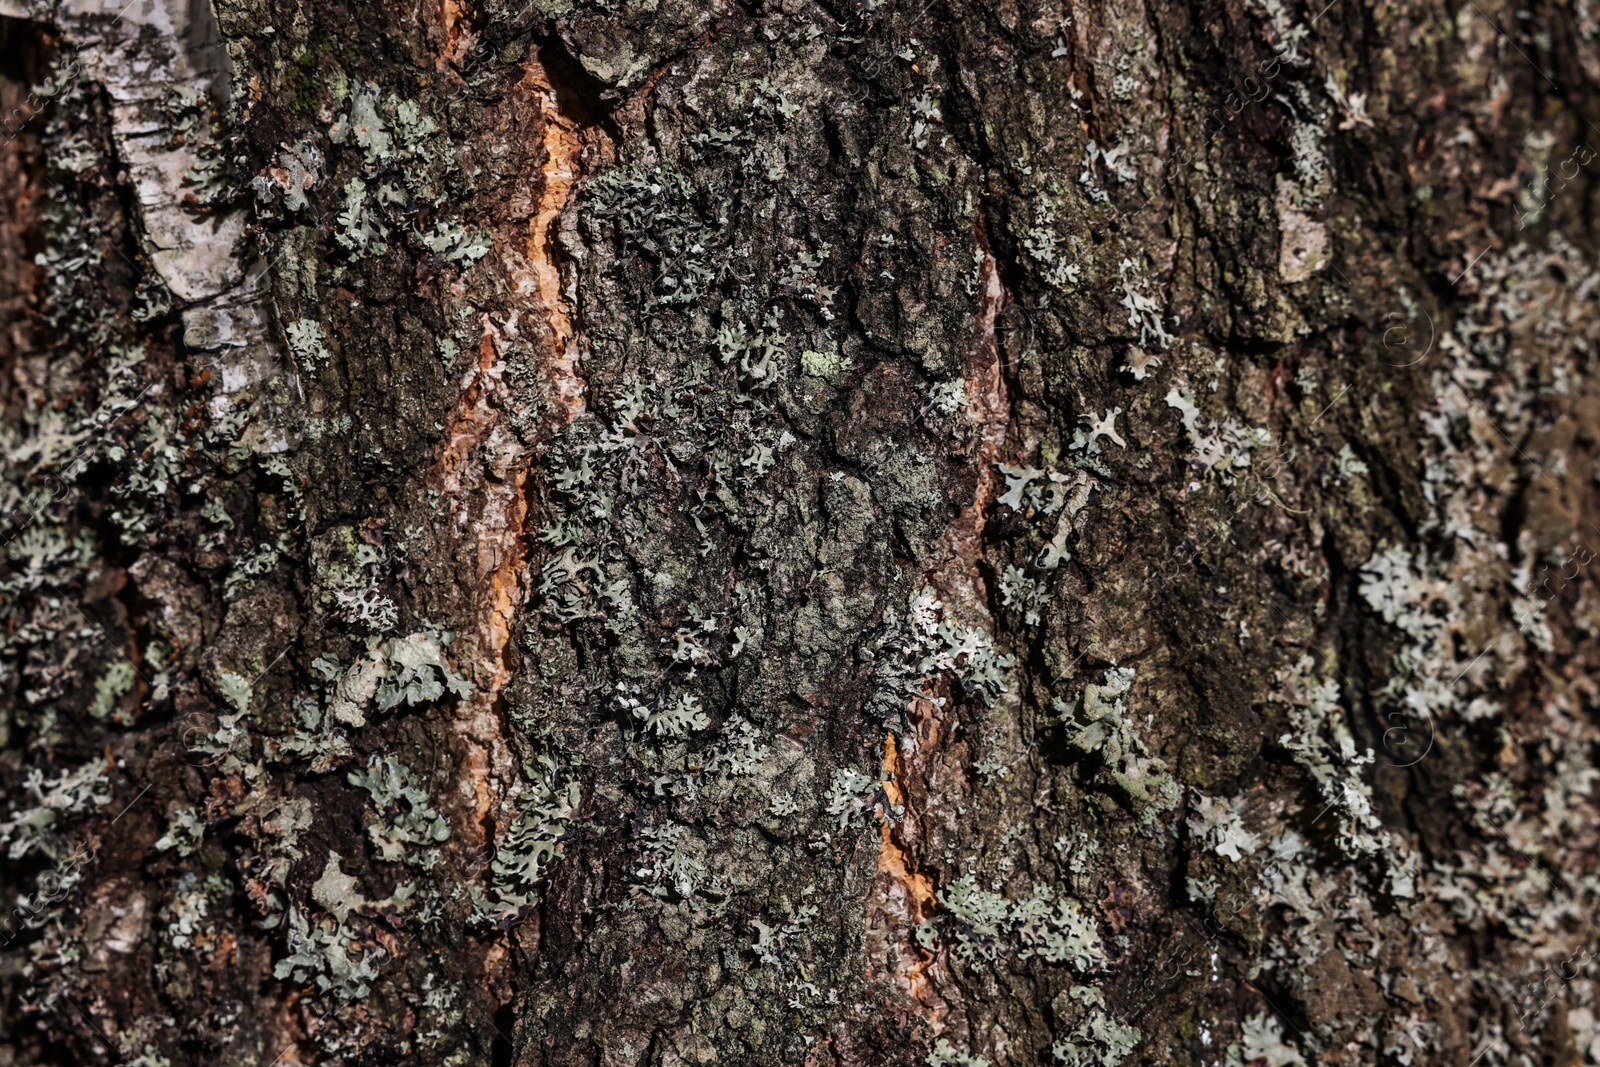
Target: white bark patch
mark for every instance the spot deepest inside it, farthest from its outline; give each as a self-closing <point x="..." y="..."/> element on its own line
<point x="140" y="51"/>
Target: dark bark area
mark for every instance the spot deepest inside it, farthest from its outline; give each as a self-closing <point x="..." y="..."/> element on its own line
<point x="807" y="533"/>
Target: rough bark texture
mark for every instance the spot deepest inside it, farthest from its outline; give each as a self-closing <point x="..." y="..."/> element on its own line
<point x="808" y="532"/>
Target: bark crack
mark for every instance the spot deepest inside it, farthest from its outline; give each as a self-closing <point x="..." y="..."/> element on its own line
<point x="905" y="893"/>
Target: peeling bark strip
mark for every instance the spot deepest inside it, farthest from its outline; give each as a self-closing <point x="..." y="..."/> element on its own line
<point x="596" y="534"/>
<point x="906" y="894"/>
<point x="498" y="533"/>
<point x="562" y="146"/>
<point x="493" y="523"/>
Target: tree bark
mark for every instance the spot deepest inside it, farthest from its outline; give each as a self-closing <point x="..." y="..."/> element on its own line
<point x="808" y="532"/>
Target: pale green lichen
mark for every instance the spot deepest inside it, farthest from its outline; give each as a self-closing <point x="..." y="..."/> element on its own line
<point x="1221" y="450"/>
<point x="988" y="925"/>
<point x="1218" y="823"/>
<point x="187" y="928"/>
<point x="360" y="231"/>
<point x="109" y="690"/>
<point x="256" y="563"/>
<point x="1321" y="741"/>
<point x="966" y="652"/>
<point x="1144" y="314"/>
<point x="852" y="796"/>
<point x="1098" y="1041"/>
<point x="1263" y="1043"/>
<point x="411" y="670"/>
<point x="32" y="827"/>
<point x="407" y="824"/>
<point x="364" y="126"/>
<point x="185" y="833"/>
<point x="1044" y="246"/>
<point x="299" y="170"/>
<point x="306" y="342"/>
<point x="670" y="718"/>
<point x="1098" y="724"/>
<point x="531" y="844"/>
<point x="328" y="955"/>
<point x="455" y="243"/>
<point x="945" y="1054"/>
<point x="236" y="690"/>
<point x="674" y="866"/>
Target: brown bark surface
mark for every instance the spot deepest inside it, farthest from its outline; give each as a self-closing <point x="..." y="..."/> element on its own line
<point x="652" y="532"/>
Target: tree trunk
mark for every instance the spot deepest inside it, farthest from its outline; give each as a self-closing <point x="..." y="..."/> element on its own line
<point x="826" y="532"/>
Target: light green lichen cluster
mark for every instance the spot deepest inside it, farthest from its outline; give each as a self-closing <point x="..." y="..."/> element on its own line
<point x="1222" y="450"/>
<point x="922" y="645"/>
<point x="945" y="1054"/>
<point x="32" y="826"/>
<point x="545" y="813"/>
<point x="987" y="925"/>
<point x="407" y="825"/>
<point x="190" y="118"/>
<point x="405" y="166"/>
<point x="189" y="909"/>
<point x="410" y="670"/>
<point x="1321" y="741"/>
<point x="1098" y="1041"/>
<point x="1098" y="724"/>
